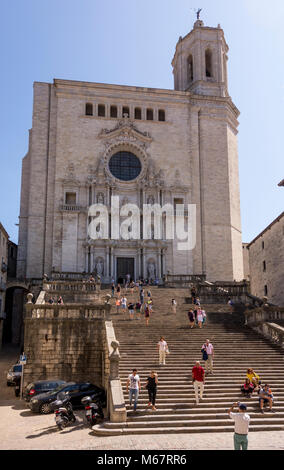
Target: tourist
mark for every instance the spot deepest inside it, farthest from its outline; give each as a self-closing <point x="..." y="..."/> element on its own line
<point x="265" y="396"/>
<point x="151" y="385"/>
<point x="51" y="300"/>
<point x="208" y="347"/>
<point x="191" y="318"/>
<point x="133" y="387"/>
<point x="163" y="349"/>
<point x="91" y="279"/>
<point x="118" y="305"/>
<point x="132" y="285"/>
<point x="131" y="310"/>
<point x="204" y="317"/>
<point x="253" y="377"/>
<point x="199" y="317"/>
<point x="174" y="306"/>
<point x="118" y="290"/>
<point x="242" y="420"/>
<point x="197" y="301"/>
<point x="112" y="289"/>
<point x="247" y="389"/>
<point x="142" y="296"/>
<point x="147" y="314"/>
<point x="193" y="295"/>
<point x="149" y="295"/>
<point x="123" y="304"/>
<point x="60" y="301"/>
<point x="138" y="309"/>
<point x="198" y="379"/>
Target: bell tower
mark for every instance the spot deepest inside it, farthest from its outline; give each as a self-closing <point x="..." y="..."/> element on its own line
<point x="200" y="61"/>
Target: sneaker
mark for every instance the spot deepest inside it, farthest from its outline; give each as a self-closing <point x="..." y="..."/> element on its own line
<point x="272" y="411"/>
<point x="262" y="411"/>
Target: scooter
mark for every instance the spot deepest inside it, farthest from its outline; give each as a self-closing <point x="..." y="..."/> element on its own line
<point x="93" y="411"/>
<point x="63" y="410"/>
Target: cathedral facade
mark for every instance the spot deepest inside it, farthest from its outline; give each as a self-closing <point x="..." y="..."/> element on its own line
<point x="90" y="142"/>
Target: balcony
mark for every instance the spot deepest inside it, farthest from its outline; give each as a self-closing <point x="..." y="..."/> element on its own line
<point x="72" y="208"/>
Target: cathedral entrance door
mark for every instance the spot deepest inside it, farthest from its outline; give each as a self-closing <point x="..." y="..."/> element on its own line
<point x="124" y="266"/>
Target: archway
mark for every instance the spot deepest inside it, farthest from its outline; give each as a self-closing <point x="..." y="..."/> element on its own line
<point x="13" y="325"/>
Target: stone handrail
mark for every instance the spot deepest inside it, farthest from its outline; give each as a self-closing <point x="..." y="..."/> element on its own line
<point x="185" y="277"/>
<point x="99" y="311"/>
<point x="71" y="286"/>
<point x="264" y="314"/>
<point x="116" y="403"/>
<point x="261" y="320"/>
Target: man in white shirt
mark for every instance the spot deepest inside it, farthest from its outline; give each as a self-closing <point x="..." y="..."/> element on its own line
<point x="162" y="347"/>
<point x="242" y="420"/>
<point x="210" y="353"/>
<point x="133" y="386"/>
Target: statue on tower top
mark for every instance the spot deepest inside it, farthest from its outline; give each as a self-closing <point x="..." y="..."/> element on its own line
<point x="198" y="13"/>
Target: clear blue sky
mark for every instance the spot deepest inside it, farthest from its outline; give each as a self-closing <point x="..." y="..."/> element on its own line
<point x="132" y="42"/>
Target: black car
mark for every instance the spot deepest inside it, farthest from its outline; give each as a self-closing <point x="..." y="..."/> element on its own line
<point x="77" y="391"/>
<point x="42" y="386"/>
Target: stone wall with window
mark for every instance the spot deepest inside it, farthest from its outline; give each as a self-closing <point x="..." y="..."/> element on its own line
<point x="266" y="263"/>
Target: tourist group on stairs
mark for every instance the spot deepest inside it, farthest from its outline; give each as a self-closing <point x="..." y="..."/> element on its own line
<point x="197" y="319"/>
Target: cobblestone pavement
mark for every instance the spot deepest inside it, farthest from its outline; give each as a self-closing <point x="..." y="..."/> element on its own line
<point x="21" y="430"/>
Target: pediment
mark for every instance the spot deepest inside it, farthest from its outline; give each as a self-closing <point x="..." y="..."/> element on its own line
<point x="125" y="131"/>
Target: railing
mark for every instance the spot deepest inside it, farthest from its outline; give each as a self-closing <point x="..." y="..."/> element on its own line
<point x="116" y="403"/>
<point x="261" y="320"/>
<point x="72" y="208"/>
<point x="185" y="278"/>
<point x="264" y="314"/>
<point x="71" y="286"/>
<point x="67" y="311"/>
<point x="65" y="276"/>
<point x="221" y="292"/>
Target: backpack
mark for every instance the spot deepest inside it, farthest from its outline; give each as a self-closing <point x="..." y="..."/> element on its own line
<point x="204" y="354"/>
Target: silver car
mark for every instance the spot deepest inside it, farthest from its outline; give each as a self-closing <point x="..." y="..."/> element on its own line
<point x="14" y="374"/>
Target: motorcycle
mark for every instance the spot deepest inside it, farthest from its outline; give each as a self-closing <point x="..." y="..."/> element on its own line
<point x="93" y="411"/>
<point x="63" y="410"/>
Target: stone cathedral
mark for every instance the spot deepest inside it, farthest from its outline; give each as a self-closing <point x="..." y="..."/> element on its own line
<point x="92" y="141"/>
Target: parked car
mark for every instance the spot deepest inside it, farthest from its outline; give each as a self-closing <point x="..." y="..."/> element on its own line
<point x="77" y="391"/>
<point x="14" y="374"/>
<point x="42" y="386"/>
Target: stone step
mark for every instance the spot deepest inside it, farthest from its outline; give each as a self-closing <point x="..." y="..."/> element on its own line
<point x="193" y="423"/>
<point x="101" y="430"/>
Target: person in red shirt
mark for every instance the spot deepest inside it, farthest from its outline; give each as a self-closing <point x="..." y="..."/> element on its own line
<point x="198" y="379"/>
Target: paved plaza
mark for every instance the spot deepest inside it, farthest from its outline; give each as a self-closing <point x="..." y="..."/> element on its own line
<point x="22" y="430"/>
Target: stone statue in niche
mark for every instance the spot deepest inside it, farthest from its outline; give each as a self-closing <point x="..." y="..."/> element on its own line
<point x="151" y="200"/>
<point x="100" y="198"/>
<point x="99" y="267"/>
<point x="151" y="270"/>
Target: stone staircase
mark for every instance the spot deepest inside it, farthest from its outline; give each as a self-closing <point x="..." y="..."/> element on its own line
<point x="236" y="349"/>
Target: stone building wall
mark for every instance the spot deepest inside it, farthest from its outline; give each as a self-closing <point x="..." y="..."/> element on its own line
<point x="266" y="261"/>
<point x="68" y="349"/>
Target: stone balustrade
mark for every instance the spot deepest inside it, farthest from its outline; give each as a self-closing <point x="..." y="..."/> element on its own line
<point x="67" y="311"/>
<point x="261" y="320"/>
<point x="70" y="286"/>
<point x="116" y="403"/>
<point x="264" y="314"/>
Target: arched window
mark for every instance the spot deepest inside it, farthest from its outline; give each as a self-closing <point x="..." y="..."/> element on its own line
<point x="208" y="63"/>
<point x="113" y="111"/>
<point x="138" y="113"/>
<point x="162" y="115"/>
<point x="89" y="109"/>
<point x="150" y="115"/>
<point x="189" y="69"/>
<point x="125" y="110"/>
<point x="101" y="110"/>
